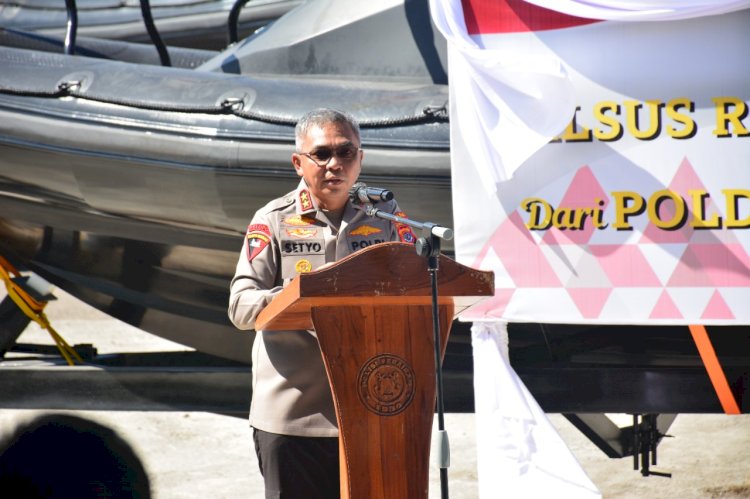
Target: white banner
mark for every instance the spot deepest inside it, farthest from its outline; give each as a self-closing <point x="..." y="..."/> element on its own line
<point x="639" y="211"/>
<point x="600" y="169"/>
<point x="519" y="453"/>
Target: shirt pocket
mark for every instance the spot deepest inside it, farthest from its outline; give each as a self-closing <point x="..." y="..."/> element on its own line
<point x="367" y="234"/>
<point x="300" y="256"/>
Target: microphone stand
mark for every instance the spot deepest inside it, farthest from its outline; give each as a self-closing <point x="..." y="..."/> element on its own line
<point x="428" y="246"/>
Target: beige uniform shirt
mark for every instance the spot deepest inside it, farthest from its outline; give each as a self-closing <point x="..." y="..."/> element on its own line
<point x="291" y="394"/>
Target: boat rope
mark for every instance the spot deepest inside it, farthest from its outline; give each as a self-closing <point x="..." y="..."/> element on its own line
<point x="233" y="21"/>
<point x="153" y="33"/>
<point x="69" y="48"/>
<point x="429" y="114"/>
<point x="98" y="6"/>
<point x="34" y="309"/>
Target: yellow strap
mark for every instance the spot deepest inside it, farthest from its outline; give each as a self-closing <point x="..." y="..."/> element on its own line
<point x="6" y="269"/>
<point x="34" y="310"/>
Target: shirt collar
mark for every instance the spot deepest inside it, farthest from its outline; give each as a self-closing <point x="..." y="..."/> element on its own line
<point x="305" y="205"/>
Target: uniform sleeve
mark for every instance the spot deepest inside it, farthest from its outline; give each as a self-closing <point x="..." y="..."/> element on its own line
<point x="255" y="280"/>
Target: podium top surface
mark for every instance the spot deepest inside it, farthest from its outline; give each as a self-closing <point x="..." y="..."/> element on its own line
<point x="387" y="273"/>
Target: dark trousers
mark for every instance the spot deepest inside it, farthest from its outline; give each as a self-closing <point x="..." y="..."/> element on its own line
<point x="298" y="467"/>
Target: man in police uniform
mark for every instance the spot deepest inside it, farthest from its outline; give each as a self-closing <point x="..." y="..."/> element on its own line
<point x="292" y="413"/>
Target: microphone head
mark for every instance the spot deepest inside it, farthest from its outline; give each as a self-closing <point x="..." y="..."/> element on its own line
<point x="361" y="194"/>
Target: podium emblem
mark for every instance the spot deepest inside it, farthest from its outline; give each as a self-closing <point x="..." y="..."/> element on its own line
<point x="386" y="384"/>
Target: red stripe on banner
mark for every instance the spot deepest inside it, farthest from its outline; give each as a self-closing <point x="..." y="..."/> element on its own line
<point x="514" y="16"/>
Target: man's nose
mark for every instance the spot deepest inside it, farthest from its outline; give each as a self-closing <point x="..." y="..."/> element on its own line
<point x="334" y="164"/>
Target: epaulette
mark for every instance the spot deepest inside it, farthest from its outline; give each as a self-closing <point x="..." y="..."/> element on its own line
<point x="278" y="204"/>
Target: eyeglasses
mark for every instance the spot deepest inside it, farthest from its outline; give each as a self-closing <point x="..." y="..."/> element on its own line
<point x="322" y="155"/>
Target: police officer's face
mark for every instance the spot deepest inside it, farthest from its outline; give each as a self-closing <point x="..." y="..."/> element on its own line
<point x="330" y="163"/>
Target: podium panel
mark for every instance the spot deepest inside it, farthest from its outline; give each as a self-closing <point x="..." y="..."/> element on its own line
<point x="380" y="362"/>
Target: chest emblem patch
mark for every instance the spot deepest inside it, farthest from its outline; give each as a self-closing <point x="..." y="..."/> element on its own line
<point x="303" y="266"/>
<point x="258" y="236"/>
<point x="299" y="220"/>
<point x="365" y="230"/>
<point x="302" y="233"/>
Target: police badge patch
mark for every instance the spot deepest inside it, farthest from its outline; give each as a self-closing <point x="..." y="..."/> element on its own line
<point x="404" y="231"/>
<point x="303" y="266"/>
<point x="258" y="236"/>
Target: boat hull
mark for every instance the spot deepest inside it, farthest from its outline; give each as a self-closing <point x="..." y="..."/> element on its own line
<point x="137" y="204"/>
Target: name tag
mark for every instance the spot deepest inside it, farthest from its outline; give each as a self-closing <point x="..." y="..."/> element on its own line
<point x="303" y="247"/>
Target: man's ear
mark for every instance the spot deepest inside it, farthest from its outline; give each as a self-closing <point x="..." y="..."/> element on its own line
<point x="297" y="163"/>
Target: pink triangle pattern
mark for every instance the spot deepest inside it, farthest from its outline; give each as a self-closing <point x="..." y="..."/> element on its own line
<point x="590" y="301"/>
<point x="491" y="308"/>
<point x="521" y="256"/>
<point x="684" y="180"/>
<point x="625" y="265"/>
<point x="665" y="308"/>
<point x="717" y="308"/>
<point x="725" y="266"/>
<point x="583" y="192"/>
<point x="712" y="258"/>
<point x="689" y="272"/>
<point x="713" y="236"/>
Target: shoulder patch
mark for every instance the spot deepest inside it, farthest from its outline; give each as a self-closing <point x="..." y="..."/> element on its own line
<point x="405" y="233"/>
<point x="258" y="237"/>
<point x="365" y="230"/>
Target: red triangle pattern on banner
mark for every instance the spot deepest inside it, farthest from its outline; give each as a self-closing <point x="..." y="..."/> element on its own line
<point x="712" y="258"/>
<point x="665" y="308"/>
<point x="717" y="308"/>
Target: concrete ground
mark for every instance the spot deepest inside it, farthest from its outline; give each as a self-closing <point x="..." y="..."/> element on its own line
<point x="206" y="455"/>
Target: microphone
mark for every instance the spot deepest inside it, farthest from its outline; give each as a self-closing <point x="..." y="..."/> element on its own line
<point x="360" y="193"/>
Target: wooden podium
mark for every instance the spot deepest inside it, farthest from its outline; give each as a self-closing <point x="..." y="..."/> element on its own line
<point x="372" y="312"/>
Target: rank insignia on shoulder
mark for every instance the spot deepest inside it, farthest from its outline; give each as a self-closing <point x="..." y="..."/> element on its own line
<point x="258" y="236"/>
<point x="405" y="233"/>
<point x="365" y="230"/>
<point x="302" y="233"/>
<point x="299" y="220"/>
<point x="305" y="201"/>
<point x="303" y="266"/>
